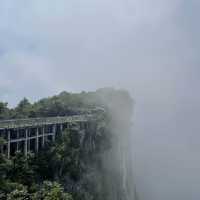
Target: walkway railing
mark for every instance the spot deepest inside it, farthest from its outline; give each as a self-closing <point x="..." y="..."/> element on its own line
<point x="34" y="122"/>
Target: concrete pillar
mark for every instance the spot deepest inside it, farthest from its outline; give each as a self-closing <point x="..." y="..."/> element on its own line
<point x="8" y="146"/>
<point x="80" y="125"/>
<point x="1" y="147"/>
<point x="37" y="139"/>
<point x="54" y="132"/>
<point x="2" y="135"/>
<point x="43" y="136"/>
<point x="17" y="138"/>
<point x="61" y="128"/>
<point x="26" y="142"/>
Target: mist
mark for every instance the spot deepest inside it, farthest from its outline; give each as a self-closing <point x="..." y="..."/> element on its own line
<point x="148" y="47"/>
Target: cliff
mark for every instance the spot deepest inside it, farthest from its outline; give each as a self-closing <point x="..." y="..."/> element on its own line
<point x="90" y="164"/>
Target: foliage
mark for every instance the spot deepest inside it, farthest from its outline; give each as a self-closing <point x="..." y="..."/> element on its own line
<point x="23" y="109"/>
<point x="4" y="111"/>
<point x="22" y="169"/>
<point x="71" y="168"/>
<point x="69" y="161"/>
<point x="69" y="104"/>
<point x="52" y="191"/>
<point x="19" y="194"/>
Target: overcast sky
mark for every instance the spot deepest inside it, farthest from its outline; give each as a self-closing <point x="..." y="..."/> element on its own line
<point x="150" y="47"/>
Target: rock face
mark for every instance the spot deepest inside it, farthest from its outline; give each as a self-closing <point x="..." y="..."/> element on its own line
<point x="107" y="150"/>
<point x="118" y="160"/>
<point x="112" y="172"/>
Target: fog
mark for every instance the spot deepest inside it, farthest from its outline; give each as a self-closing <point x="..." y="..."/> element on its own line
<point x="150" y="47"/>
<point x="167" y="142"/>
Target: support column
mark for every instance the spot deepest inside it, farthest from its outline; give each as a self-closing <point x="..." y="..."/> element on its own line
<point x="43" y="136"/>
<point x="2" y="135"/>
<point x="26" y="142"/>
<point x="37" y="139"/>
<point x="17" y="138"/>
<point x="54" y="132"/>
<point x="8" y="146"/>
<point x="61" y="128"/>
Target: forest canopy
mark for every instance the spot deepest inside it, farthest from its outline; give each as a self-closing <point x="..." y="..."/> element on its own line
<point x="65" y="104"/>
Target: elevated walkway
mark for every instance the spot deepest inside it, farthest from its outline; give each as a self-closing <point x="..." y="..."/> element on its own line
<point x="30" y="135"/>
<point x="35" y="122"/>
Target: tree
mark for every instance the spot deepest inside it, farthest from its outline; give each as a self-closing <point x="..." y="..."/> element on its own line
<point x="52" y="191"/>
<point x="4" y="111"/>
<point x="5" y="166"/>
<point x="19" y="193"/>
<point x="22" y="169"/>
<point x="23" y="109"/>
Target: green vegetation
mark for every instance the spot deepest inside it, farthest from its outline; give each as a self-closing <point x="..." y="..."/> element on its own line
<point x="72" y="168"/>
<point x="59" y="171"/>
<point x="66" y="104"/>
